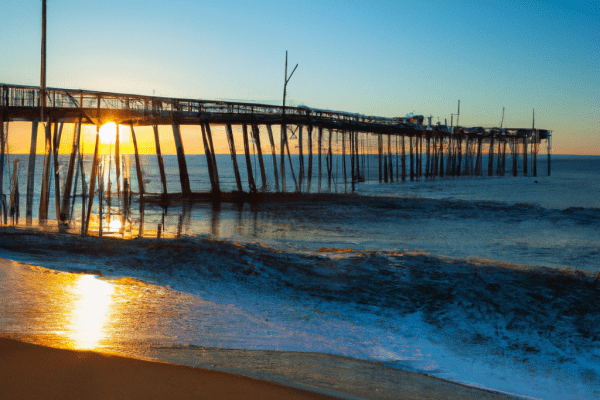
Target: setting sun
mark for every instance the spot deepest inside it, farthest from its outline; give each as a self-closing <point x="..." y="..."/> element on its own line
<point x="108" y="133"/>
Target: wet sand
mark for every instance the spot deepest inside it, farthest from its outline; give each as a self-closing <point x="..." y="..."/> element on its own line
<point x="29" y="371"/>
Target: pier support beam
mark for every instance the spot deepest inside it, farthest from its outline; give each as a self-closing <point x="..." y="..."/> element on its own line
<point x="310" y="158"/>
<point x="94" y="173"/>
<point x="30" y="172"/>
<point x="283" y="140"/>
<point x="524" y="155"/>
<point x="263" y="175"/>
<point x="236" y="170"/>
<point x="274" y="154"/>
<point x="344" y="161"/>
<point x="320" y="146"/>
<point x="2" y="146"/>
<point x="251" y="183"/>
<point x="64" y="209"/>
<point x="138" y="166"/>
<point x="380" y="156"/>
<point x="161" y="165"/>
<point x="491" y="157"/>
<point x="300" y="158"/>
<point x="329" y="162"/>
<point x="55" y="146"/>
<point x="183" y="172"/>
<point x="14" y="196"/>
<point x="211" y="160"/>
<point x="43" y="210"/>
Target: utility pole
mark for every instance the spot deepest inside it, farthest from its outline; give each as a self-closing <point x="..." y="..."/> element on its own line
<point x="43" y="66"/>
<point x="284" y="126"/>
<point x="287" y="79"/>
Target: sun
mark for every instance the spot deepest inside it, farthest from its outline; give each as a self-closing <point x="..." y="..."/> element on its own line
<point x="108" y="133"/>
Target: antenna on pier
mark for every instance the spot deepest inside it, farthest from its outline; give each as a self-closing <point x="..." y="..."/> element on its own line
<point x="502" y="121"/>
<point x="287" y="79"/>
<point x="458" y="114"/>
<point x="533" y="123"/>
<point x="43" y="66"/>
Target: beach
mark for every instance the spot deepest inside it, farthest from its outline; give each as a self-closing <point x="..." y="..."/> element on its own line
<point x="29" y="371"/>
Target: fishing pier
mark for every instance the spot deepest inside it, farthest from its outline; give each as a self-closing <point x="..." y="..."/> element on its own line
<point x="298" y="145"/>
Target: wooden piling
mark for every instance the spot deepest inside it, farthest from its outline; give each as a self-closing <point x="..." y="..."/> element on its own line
<point x="460" y="145"/>
<point x="403" y="159"/>
<point x="263" y="175"/>
<point x="300" y="158"/>
<point x="391" y="164"/>
<point x="351" y="134"/>
<point x="524" y="155"/>
<point x="380" y="156"/>
<point x="2" y="146"/>
<point x="215" y="170"/>
<point x="94" y="173"/>
<point x="64" y="210"/>
<point x="161" y="164"/>
<point x="118" y="161"/>
<point x="441" y="155"/>
<point x="310" y="159"/>
<point x="233" y="153"/>
<point x="138" y="166"/>
<point x="356" y="150"/>
<point x="270" y="131"/>
<point x="427" y="156"/>
<point x="283" y="139"/>
<point x="491" y="157"/>
<point x="514" y="156"/>
<point x="320" y="145"/>
<point x="211" y="160"/>
<point x="412" y="160"/>
<point x="43" y="210"/>
<point x="14" y="198"/>
<point x="55" y="146"/>
<point x="287" y="147"/>
<point x="83" y="196"/>
<point x="344" y="161"/>
<point x="30" y="172"/>
<point x="183" y="172"/>
<point x="101" y="196"/>
<point x="330" y="163"/>
<point x="251" y="183"/>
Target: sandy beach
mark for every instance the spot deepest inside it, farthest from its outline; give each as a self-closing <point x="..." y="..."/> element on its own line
<point x="29" y="371"/>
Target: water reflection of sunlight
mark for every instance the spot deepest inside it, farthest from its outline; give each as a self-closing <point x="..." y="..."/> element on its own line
<point x="90" y="311"/>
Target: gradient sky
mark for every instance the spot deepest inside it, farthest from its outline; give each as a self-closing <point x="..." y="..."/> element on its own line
<point x="383" y="58"/>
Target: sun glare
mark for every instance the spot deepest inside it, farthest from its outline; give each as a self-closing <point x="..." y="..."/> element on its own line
<point x="108" y="133"/>
<point x="115" y="225"/>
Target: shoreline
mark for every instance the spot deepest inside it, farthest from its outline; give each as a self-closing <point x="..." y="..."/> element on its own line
<point x="35" y="371"/>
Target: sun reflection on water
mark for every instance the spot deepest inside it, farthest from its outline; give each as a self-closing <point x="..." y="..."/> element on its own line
<point x="90" y="311"/>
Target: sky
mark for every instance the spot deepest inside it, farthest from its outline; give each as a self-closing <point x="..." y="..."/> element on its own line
<point x="385" y="58"/>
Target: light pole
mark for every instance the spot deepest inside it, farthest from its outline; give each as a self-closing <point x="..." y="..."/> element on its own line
<point x="43" y="66"/>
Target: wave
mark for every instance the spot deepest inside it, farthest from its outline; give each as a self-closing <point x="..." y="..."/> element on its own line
<point x="557" y="308"/>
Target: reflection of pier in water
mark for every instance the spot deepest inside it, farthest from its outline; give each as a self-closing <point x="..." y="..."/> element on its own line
<point x="399" y="149"/>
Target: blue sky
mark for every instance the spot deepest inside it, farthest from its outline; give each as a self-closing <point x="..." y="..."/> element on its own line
<point x="379" y="57"/>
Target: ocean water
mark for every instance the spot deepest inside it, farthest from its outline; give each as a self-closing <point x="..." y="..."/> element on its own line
<point x="486" y="281"/>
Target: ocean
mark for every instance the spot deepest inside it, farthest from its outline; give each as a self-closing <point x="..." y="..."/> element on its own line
<point x="486" y="281"/>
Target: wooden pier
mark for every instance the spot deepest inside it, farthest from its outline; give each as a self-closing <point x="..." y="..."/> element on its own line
<point x="404" y="148"/>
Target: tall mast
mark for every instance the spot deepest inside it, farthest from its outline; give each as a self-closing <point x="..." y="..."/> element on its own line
<point x="43" y="66"/>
